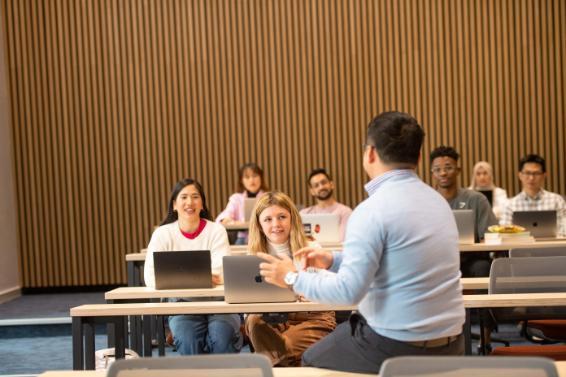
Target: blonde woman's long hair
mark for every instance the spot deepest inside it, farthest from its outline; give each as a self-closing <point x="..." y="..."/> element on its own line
<point x="257" y="240"/>
<point x="487" y="167"/>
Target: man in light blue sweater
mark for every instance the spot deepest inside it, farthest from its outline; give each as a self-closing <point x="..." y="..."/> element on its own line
<point x="400" y="263"/>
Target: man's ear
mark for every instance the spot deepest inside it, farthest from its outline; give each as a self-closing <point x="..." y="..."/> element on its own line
<point x="372" y="155"/>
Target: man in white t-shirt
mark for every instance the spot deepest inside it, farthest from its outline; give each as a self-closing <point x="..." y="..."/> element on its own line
<point x="321" y="188"/>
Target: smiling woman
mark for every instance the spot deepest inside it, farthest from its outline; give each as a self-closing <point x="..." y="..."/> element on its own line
<point x="276" y="229"/>
<point x="187" y="226"/>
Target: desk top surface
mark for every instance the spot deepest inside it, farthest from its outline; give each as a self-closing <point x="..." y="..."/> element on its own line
<point x="277" y="372"/>
<point x="218" y="307"/>
<point x="476" y="247"/>
<point x="142" y="293"/>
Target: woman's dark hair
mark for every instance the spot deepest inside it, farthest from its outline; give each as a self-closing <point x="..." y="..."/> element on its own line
<point x="256" y="169"/>
<point x="172" y="216"/>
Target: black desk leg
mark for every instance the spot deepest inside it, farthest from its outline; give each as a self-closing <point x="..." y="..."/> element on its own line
<point x="89" y="344"/>
<point x="161" y="334"/>
<point x="483" y="340"/>
<point x="146" y="323"/>
<point x="78" y="350"/>
<point x="468" y="334"/>
<point x="119" y="337"/>
<point x="110" y="329"/>
<point x="131" y="272"/>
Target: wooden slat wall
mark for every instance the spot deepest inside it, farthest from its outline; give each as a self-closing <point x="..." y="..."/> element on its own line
<point x="115" y="100"/>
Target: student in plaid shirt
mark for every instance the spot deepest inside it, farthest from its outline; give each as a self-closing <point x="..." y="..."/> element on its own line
<point x="532" y="172"/>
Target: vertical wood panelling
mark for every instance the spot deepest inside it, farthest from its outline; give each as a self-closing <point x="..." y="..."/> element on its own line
<point x="113" y="101"/>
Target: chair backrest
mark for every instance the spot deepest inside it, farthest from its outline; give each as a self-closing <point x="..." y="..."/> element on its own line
<point x="238" y="365"/>
<point x="528" y="275"/>
<point x="554" y="251"/>
<point x="463" y="366"/>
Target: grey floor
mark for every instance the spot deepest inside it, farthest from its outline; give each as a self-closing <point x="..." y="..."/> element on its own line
<point x="33" y="349"/>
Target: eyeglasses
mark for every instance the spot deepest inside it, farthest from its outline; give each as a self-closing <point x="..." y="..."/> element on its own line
<point x="448" y="169"/>
<point x="533" y="174"/>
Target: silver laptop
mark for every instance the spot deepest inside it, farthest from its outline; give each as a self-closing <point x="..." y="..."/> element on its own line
<point x="540" y="223"/>
<point x="244" y="284"/>
<point x="466" y="225"/>
<point x="249" y="204"/>
<point x="322" y="227"/>
<point x="182" y="269"/>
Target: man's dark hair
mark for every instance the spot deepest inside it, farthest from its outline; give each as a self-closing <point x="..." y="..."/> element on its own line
<point x="318" y="171"/>
<point x="444" y="151"/>
<point x="532" y="158"/>
<point x="397" y="137"/>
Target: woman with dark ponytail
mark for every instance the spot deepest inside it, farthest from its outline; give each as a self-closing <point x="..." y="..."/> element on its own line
<point x="188" y="226"/>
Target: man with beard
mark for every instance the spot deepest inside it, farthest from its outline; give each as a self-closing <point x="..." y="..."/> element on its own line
<point x="445" y="170"/>
<point x="322" y="189"/>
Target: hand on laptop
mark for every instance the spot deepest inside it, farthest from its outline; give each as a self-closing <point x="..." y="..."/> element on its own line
<point x="314" y="257"/>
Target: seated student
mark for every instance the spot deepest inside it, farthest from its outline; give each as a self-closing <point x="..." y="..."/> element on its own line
<point x="322" y="189"/>
<point x="276" y="229"/>
<point x="251" y="184"/>
<point x="445" y="170"/>
<point x="187" y="227"/>
<point x="532" y="172"/>
<point x="482" y="180"/>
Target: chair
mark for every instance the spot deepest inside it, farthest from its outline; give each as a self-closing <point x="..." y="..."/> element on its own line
<point x="554" y="251"/>
<point x="463" y="366"/>
<point x="529" y="275"/>
<point x="542" y="331"/>
<point x="238" y="365"/>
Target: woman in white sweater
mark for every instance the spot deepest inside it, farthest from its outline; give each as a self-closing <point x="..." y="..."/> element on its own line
<point x="187" y="226"/>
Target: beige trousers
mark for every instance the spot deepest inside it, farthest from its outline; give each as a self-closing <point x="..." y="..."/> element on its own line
<point x="284" y="343"/>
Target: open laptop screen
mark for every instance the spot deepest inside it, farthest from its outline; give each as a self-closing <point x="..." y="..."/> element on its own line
<point x="182" y="269"/>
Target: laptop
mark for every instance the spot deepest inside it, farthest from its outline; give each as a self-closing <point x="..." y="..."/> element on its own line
<point x="466" y="225"/>
<point x="249" y="204"/>
<point x="182" y="269"/>
<point x="489" y="195"/>
<point x="322" y="227"/>
<point x="244" y="284"/>
<point x="541" y="224"/>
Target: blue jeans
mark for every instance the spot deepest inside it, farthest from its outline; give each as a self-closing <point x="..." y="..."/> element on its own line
<point x="216" y="333"/>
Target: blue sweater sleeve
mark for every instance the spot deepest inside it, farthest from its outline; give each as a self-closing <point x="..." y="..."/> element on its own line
<point x="352" y="272"/>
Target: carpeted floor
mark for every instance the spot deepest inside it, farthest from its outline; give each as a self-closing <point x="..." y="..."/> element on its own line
<point x="47" y="305"/>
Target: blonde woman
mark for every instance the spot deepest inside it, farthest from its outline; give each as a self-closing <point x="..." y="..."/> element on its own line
<point x="482" y="180"/>
<point x="276" y="229"/>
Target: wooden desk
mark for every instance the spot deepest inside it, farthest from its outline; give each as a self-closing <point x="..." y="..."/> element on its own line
<point x="145" y="293"/>
<point x="477" y="247"/>
<point x="237" y="225"/>
<point x="135" y="262"/>
<point x="277" y="372"/>
<point x="86" y="316"/>
<point x="474" y="283"/>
